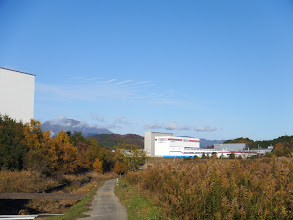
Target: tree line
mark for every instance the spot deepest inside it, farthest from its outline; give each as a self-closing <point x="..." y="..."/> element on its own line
<point x="26" y="146"/>
<point x="283" y="146"/>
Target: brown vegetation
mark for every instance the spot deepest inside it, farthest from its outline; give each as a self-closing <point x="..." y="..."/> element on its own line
<point x="25" y="181"/>
<point x="83" y="183"/>
<point x="221" y="189"/>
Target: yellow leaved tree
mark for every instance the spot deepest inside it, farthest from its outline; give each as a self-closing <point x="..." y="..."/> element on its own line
<point x="65" y="153"/>
<point x="98" y="165"/>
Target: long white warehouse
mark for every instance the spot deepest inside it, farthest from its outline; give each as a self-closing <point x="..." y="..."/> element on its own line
<point x="166" y="145"/>
<point x="17" y="94"/>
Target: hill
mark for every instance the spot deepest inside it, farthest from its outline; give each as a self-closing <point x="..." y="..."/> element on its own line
<point x="206" y="143"/>
<point x="111" y="140"/>
<point x="262" y="144"/>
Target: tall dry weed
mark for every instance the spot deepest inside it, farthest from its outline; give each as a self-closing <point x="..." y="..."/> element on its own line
<point x="221" y="189"/>
<point x="24" y="181"/>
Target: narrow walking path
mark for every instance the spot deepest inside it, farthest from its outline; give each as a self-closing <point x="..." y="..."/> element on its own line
<point x="106" y="204"/>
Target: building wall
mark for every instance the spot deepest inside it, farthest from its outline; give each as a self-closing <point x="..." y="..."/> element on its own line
<point x="174" y="146"/>
<point x="17" y="94"/>
<point x="149" y="141"/>
<point x="231" y="146"/>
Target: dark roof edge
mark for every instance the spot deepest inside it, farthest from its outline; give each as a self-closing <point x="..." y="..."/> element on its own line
<point x="17" y="71"/>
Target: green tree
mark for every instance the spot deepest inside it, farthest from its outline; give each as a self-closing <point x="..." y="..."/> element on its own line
<point x="12" y="149"/>
<point x="131" y="155"/>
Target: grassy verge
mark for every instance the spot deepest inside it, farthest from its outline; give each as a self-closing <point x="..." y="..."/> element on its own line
<point x="80" y="207"/>
<point x="138" y="205"/>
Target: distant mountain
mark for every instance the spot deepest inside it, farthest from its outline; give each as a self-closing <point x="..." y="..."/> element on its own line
<point x="111" y="140"/>
<point x="65" y="124"/>
<point x="206" y="143"/>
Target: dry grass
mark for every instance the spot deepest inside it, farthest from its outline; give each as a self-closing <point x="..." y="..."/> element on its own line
<point x="24" y="181"/>
<point x="83" y="183"/>
<point x="220" y="189"/>
<point x="32" y="181"/>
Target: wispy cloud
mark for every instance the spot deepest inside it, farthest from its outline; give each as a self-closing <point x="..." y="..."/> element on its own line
<point x="121" y="120"/>
<point x="169" y="102"/>
<point x="174" y="126"/>
<point x="97" y="117"/>
<point x="83" y="89"/>
<point x="205" y="128"/>
<point x="144" y="82"/>
<point x="66" y="122"/>
<point x="93" y="79"/>
<point x="118" y="122"/>
<point x="169" y="126"/>
<point x="111" y="80"/>
<point x="123" y="82"/>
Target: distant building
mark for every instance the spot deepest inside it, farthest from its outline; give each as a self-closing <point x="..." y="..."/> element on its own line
<point x="17" y="94"/>
<point x="149" y="142"/>
<point x="233" y="147"/>
<point x="158" y="144"/>
<point x="166" y="146"/>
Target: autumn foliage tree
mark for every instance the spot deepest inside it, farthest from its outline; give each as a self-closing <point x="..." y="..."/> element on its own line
<point x="120" y="167"/>
<point x="28" y="147"/>
<point x="98" y="165"/>
<point x="130" y="156"/>
<point x="65" y="153"/>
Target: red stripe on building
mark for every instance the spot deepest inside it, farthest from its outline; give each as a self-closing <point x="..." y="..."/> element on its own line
<point x="193" y="141"/>
<point x="173" y="139"/>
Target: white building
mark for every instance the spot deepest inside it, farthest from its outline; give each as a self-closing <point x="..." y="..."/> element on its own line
<point x="174" y="146"/>
<point x="149" y="142"/>
<point x="166" y="145"/>
<point x="17" y="94"/>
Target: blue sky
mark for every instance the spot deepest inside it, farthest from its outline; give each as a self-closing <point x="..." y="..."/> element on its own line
<point x="208" y="69"/>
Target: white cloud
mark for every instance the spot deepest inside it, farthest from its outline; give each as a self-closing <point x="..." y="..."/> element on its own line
<point x="111" y="80"/>
<point x="123" y="82"/>
<point x="62" y="120"/>
<point x="144" y="82"/>
<point x="121" y="120"/>
<point x="205" y="128"/>
<point x="170" y="102"/>
<point x="85" y="90"/>
<point x="174" y="126"/>
<point x="169" y="126"/>
<point x="97" y="117"/>
<point x="94" y="78"/>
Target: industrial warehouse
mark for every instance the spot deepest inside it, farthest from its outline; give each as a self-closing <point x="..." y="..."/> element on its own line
<point x="166" y="145"/>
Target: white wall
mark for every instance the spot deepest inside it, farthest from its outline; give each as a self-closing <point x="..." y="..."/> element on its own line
<point x="149" y="141"/>
<point x="17" y="95"/>
<point x="174" y="146"/>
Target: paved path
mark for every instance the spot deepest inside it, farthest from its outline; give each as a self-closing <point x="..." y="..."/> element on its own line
<point x="106" y="204"/>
